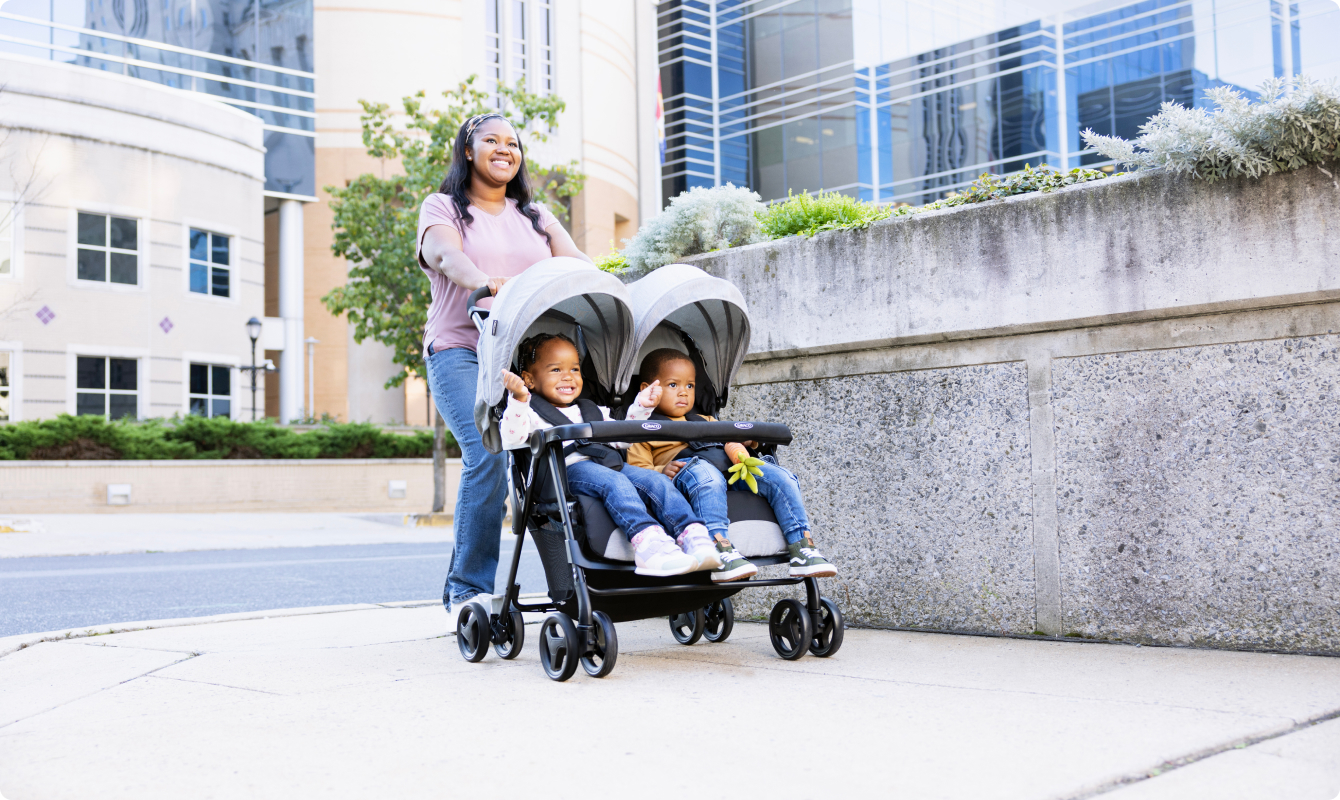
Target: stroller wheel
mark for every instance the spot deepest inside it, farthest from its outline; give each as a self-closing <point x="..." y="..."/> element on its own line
<point x="514" y="639"/>
<point x="827" y="638"/>
<point x="688" y="627"/>
<point x="720" y="620"/>
<point x="472" y="632"/>
<point x="559" y="646"/>
<point x="789" y="628"/>
<point x="599" y="660"/>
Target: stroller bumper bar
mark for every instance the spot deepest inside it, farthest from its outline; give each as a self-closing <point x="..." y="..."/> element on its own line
<point x="635" y="431"/>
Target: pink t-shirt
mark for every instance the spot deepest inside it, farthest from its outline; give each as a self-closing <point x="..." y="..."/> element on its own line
<point x="501" y="246"/>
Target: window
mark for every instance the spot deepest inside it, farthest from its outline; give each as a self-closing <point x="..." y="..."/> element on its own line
<point x="544" y="82"/>
<point x="107" y="387"/>
<point x="5" y="362"/>
<point x="211" y="390"/>
<point x="209" y="263"/>
<point x="108" y="249"/>
<point x="493" y="49"/>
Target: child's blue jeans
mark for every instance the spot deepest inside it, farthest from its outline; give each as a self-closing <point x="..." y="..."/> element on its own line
<point x="627" y="494"/>
<point x="705" y="486"/>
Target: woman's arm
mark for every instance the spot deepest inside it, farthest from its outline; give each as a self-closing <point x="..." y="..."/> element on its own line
<point x="442" y="253"/>
<point x="561" y="244"/>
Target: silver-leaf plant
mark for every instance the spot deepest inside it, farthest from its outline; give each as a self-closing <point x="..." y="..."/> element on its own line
<point x="1296" y="122"/>
<point x="697" y="221"/>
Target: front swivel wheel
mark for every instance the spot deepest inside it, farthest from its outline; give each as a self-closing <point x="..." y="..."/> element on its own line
<point x="560" y="647"/>
<point x="828" y="627"/>
<point x="509" y="636"/>
<point x="790" y="629"/>
<point x="604" y="650"/>
<point x="720" y="620"/>
<point x="472" y="632"/>
<point x="687" y="627"/>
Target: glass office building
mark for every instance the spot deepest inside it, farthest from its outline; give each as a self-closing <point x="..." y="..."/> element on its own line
<point x="252" y="54"/>
<point x="908" y="100"/>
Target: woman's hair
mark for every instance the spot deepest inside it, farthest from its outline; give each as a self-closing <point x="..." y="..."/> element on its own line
<point x="530" y="348"/>
<point x="656" y="359"/>
<point x="459" y="174"/>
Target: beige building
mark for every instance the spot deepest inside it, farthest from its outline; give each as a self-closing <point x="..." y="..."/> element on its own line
<point x="599" y="57"/>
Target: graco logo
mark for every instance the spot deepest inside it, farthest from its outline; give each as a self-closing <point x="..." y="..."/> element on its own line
<point x="744" y="426"/>
<point x="652" y="426"/>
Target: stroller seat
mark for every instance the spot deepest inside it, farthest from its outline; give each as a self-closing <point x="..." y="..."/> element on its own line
<point x="753" y="529"/>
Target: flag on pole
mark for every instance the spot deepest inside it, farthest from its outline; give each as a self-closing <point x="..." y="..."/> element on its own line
<point x="660" y="119"/>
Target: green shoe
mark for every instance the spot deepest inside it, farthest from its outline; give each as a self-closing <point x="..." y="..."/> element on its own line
<point x="808" y="562"/>
<point x="734" y="566"/>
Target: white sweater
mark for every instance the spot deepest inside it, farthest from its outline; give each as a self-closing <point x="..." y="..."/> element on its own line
<point x="520" y="421"/>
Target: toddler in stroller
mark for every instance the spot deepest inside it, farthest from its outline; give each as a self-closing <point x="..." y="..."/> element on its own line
<point x="699" y="471"/>
<point x="548" y="393"/>
<point x="589" y="566"/>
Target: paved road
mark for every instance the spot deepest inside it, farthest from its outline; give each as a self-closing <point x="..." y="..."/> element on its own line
<point x="46" y="594"/>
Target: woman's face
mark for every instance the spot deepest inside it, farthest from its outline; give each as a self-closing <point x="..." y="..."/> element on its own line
<point x="556" y="374"/>
<point x="495" y="152"/>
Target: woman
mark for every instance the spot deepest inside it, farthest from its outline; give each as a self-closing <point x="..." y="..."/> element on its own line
<point x="479" y="229"/>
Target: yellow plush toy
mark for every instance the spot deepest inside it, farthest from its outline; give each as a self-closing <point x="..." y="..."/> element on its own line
<point x="746" y="467"/>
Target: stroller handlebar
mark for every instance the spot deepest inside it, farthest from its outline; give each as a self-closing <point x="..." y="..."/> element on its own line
<point x="650" y="431"/>
<point x="472" y="309"/>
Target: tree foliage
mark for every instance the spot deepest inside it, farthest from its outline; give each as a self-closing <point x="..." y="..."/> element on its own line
<point x="376" y="217"/>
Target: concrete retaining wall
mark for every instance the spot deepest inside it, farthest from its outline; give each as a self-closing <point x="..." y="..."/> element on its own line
<point x="1109" y="411"/>
<point x="63" y="487"/>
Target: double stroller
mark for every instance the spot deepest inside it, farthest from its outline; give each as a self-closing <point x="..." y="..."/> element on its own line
<point x="587" y="560"/>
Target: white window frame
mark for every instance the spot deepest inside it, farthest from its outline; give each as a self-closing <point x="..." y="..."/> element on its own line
<point x="231" y="231"/>
<point x="74" y="351"/>
<point x="15" y="273"/>
<point x="142" y="239"/>
<point x="537" y="53"/>
<point x="189" y="357"/>
<point x="15" y="352"/>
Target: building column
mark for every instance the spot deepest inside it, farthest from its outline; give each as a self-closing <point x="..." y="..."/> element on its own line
<point x="290" y="309"/>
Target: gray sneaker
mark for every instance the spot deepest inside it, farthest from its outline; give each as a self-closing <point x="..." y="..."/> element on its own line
<point x="808" y="562"/>
<point x="734" y="566"/>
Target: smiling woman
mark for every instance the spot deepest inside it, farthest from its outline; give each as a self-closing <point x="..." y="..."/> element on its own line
<point x="479" y="229"/>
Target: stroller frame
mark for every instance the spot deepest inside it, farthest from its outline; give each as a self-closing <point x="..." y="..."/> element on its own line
<point x="575" y="632"/>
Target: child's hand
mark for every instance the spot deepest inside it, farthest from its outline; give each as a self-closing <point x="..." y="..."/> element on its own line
<point x="650" y="396"/>
<point x="672" y="469"/>
<point x="515" y="387"/>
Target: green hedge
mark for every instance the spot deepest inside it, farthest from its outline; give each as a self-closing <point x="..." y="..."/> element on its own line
<point x="89" y="437"/>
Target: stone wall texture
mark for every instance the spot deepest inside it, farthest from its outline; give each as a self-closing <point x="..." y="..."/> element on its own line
<point x="1199" y="493"/>
<point x="1108" y="411"/>
<point x="918" y="483"/>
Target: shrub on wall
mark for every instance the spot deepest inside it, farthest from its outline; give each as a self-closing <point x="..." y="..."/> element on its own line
<point x="698" y="221"/>
<point x="1296" y="122"/>
<point x="806" y="215"/>
<point x="83" y="438"/>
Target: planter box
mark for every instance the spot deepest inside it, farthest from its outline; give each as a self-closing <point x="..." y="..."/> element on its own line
<point x="362" y="485"/>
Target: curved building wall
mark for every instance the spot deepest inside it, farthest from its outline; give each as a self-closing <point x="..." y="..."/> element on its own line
<point x="107" y="182"/>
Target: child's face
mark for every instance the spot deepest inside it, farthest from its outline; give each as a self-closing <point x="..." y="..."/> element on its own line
<point x="556" y="373"/>
<point x="677" y="385"/>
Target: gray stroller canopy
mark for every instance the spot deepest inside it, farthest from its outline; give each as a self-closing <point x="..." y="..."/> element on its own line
<point x="684" y="298"/>
<point x="557" y="295"/>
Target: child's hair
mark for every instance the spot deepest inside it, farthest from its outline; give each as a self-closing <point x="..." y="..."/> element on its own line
<point x="530" y="348"/>
<point x="656" y="359"/>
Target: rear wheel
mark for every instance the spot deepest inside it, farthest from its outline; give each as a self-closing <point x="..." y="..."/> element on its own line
<point x="828" y="627"/>
<point x="514" y="627"/>
<point x="789" y="628"/>
<point x="559" y="646"/>
<point x="688" y="626"/>
<point x="720" y="620"/>
<point x="599" y="660"/>
<point x="472" y="632"/>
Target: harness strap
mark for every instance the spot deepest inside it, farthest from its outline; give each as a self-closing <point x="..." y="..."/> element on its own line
<point x="598" y="452"/>
<point x="711" y="452"/>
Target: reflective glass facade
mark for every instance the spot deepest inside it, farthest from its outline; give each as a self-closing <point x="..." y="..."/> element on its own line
<point x="253" y="54"/>
<point x="905" y="101"/>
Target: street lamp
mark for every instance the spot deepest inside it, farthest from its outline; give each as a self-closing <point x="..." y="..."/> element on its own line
<point x="253" y="331"/>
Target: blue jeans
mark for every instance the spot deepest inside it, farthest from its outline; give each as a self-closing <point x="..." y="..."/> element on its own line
<point x="705" y="486"/>
<point x="452" y="376"/>
<point x="624" y="493"/>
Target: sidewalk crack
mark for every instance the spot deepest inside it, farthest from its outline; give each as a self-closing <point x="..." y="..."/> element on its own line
<point x="97" y="691"/>
<point x="220" y="685"/>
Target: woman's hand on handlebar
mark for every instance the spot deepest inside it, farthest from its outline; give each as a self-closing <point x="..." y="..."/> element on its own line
<point x="515" y="387"/>
<point x="495" y="285"/>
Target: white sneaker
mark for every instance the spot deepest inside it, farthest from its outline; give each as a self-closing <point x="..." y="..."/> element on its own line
<point x="486" y="600"/>
<point x="698" y="545"/>
<point x="657" y="555"/>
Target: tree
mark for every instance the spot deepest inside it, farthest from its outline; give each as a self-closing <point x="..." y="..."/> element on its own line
<point x="386" y="295"/>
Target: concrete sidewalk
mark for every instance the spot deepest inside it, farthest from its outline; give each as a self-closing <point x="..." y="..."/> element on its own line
<point x="30" y="535"/>
<point x="374" y="701"/>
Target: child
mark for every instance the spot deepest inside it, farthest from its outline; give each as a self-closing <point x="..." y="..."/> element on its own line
<point x="546" y="394"/>
<point x="699" y="476"/>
